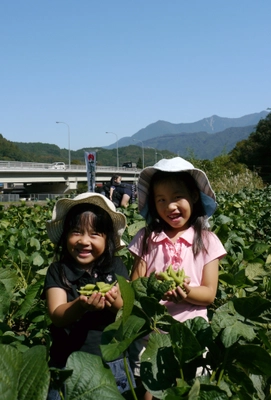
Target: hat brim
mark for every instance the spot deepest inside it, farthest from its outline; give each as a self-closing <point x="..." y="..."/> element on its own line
<point x="176" y="164"/>
<point x="62" y="207"/>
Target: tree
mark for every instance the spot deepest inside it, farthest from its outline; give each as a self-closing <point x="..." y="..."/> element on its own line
<point x="255" y="152"/>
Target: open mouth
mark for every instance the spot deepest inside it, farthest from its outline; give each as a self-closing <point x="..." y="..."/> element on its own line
<point x="174" y="217"/>
<point x="83" y="253"/>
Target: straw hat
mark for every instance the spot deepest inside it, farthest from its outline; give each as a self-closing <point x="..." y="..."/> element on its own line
<point x="62" y="206"/>
<point x="176" y="164"/>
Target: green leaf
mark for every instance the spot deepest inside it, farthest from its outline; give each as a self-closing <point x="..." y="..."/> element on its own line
<point x="35" y="243"/>
<point x="210" y="392"/>
<point x="155" y="361"/>
<point x="232" y="333"/>
<point x="4" y="224"/>
<point x="252" y="307"/>
<point x="240" y="377"/>
<point x="36" y="259"/>
<point x="10" y="363"/>
<point x="156" y="288"/>
<point x="223" y="220"/>
<point x="178" y="392"/>
<point x="240" y="278"/>
<point x="201" y="329"/>
<point x="9" y="278"/>
<point x="24" y="376"/>
<point x="21" y="255"/>
<point x="135" y="227"/>
<point x="35" y="375"/>
<point x="254" y="270"/>
<point x="226" y="278"/>
<point x="29" y="301"/>
<point x="253" y="358"/>
<point x="5" y="300"/>
<point x="260" y="248"/>
<point x="231" y="326"/>
<point x="157" y="314"/>
<point x="184" y="343"/>
<point x="117" y="337"/>
<point x="91" y="379"/>
<point x="128" y="296"/>
<point x="140" y="286"/>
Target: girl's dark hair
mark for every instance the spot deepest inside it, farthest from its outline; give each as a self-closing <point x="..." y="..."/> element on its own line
<point x="85" y="217"/>
<point x="114" y="178"/>
<point x="197" y="218"/>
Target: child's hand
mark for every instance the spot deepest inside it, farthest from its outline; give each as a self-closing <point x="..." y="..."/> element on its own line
<point x="179" y="294"/>
<point x="95" y="302"/>
<point x="111" y="296"/>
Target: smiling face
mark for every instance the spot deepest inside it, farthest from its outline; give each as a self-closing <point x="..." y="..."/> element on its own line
<point x="88" y="235"/>
<point x="174" y="202"/>
<point x="85" y="245"/>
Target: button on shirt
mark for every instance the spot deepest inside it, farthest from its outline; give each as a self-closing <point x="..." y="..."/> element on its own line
<point x="162" y="252"/>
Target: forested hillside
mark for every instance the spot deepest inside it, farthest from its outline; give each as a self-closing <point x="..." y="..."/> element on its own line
<point x="48" y="153"/>
<point x="255" y="152"/>
<point x="10" y="151"/>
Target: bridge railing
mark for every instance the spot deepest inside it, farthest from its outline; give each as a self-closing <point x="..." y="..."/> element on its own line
<point x="23" y="165"/>
<point x="33" y="165"/>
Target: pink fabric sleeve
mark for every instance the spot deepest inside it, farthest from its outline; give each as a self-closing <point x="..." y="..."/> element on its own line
<point x="136" y="245"/>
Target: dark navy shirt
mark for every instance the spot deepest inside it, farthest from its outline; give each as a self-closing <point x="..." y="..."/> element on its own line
<point x="84" y="334"/>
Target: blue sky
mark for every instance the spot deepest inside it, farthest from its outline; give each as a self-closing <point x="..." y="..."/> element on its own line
<point x="118" y="66"/>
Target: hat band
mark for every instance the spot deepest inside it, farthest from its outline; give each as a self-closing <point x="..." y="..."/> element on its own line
<point x="208" y="203"/>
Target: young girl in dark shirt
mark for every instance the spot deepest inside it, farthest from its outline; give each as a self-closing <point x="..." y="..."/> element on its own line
<point x="87" y="231"/>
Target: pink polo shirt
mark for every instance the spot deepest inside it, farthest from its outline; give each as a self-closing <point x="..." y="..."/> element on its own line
<point x="162" y="252"/>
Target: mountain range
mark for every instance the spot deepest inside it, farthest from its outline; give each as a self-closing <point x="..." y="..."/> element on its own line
<point x="206" y="138"/>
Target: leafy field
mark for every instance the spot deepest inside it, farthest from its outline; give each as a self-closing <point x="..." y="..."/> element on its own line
<point x="239" y="337"/>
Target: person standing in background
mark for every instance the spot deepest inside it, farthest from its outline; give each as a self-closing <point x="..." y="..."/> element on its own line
<point x="120" y="192"/>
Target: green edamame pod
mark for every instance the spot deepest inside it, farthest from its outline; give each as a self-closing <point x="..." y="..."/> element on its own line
<point x="177" y="280"/>
<point x="86" y="292"/>
<point x="99" y="287"/>
<point x="89" y="286"/>
<point x="164" y="276"/>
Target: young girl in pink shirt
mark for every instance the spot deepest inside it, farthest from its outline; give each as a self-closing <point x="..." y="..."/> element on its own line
<point x="176" y="200"/>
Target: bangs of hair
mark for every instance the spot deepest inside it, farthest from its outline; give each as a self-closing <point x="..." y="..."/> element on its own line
<point x="88" y="217"/>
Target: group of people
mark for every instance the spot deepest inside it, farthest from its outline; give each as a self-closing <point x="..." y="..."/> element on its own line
<point x="176" y="201"/>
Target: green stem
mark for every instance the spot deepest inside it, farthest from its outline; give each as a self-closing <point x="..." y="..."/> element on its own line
<point x="213" y="376"/>
<point x="129" y="377"/>
<point x="223" y="367"/>
<point x="20" y="272"/>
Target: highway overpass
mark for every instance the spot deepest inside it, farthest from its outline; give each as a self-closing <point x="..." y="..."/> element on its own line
<point x="33" y="178"/>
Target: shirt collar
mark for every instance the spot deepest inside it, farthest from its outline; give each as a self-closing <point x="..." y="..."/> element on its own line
<point x="74" y="273"/>
<point x="187" y="236"/>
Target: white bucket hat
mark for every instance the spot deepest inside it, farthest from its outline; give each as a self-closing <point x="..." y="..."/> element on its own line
<point x="176" y="164"/>
<point x="62" y="206"/>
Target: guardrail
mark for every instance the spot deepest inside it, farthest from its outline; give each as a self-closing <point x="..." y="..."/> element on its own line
<point x="10" y="197"/>
<point x="32" y="165"/>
